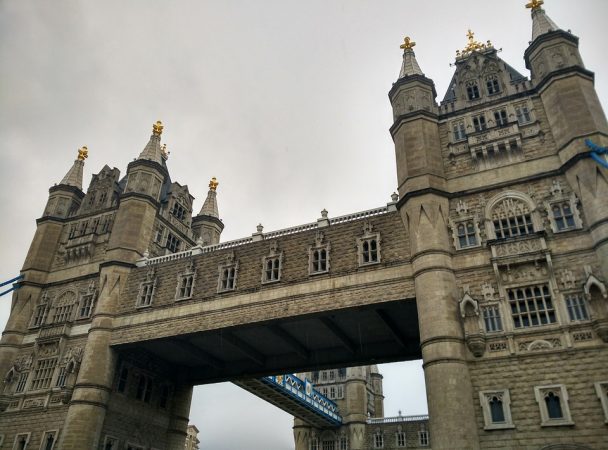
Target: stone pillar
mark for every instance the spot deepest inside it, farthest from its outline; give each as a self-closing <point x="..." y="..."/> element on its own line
<point x="355" y="401"/>
<point x="86" y="414"/>
<point x="301" y="434"/>
<point x="180" y="413"/>
<point x="448" y="385"/>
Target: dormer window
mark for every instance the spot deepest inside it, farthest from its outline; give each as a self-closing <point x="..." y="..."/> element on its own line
<point x="479" y="123"/>
<point x="493" y="85"/>
<point x="185" y="282"/>
<point x="178" y="211"/>
<point x="228" y="271"/>
<point x="472" y="90"/>
<point x="318" y="256"/>
<point x="368" y="246"/>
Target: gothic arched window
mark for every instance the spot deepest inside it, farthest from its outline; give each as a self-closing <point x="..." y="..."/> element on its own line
<point x="554" y="407"/>
<point x="496" y="410"/>
<point x="512" y="217"/>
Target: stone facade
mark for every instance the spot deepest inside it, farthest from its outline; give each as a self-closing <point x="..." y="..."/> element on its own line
<point x="491" y="265"/>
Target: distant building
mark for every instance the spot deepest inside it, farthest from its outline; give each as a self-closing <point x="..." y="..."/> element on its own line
<point x="359" y="395"/>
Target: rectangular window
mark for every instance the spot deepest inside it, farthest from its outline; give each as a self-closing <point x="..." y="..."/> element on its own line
<point x="369" y="251"/>
<point x="340" y="392"/>
<point x="563" y="216"/>
<point x="122" y="380"/>
<point x="314" y="444"/>
<point x="164" y="396"/>
<point x="400" y="439"/>
<point x="146" y="294"/>
<point x="491" y="318"/>
<point x="472" y="91"/>
<point x="86" y="306"/>
<point x="378" y="440"/>
<point x="577" y="309"/>
<point x="553" y="403"/>
<point x="513" y="147"/>
<point x="21" y="441"/>
<point x="21" y="382"/>
<point x="496" y="407"/>
<point x="531" y="306"/>
<point x="185" y="286"/>
<point x="343" y="443"/>
<point x="479" y="123"/>
<point x="178" y="211"/>
<point x="328" y="445"/>
<point x="490" y="151"/>
<point x="110" y="443"/>
<point x="500" y="117"/>
<point x="228" y="278"/>
<point x="62" y="313"/>
<point x="332" y="392"/>
<point x="523" y="115"/>
<point x="43" y="373"/>
<point x="459" y="131"/>
<point x="144" y="389"/>
<point x="160" y="231"/>
<point x="493" y="86"/>
<point x="61" y="378"/>
<point x="466" y="233"/>
<point x="508" y="227"/>
<point x="423" y="438"/>
<point x="39" y="315"/>
<point x="173" y="243"/>
<point x="272" y="269"/>
<point x="319" y="260"/>
<point x="48" y="440"/>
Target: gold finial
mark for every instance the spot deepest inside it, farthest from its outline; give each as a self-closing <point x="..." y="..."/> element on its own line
<point x="157" y="128"/>
<point x="213" y="184"/>
<point x="83" y="153"/>
<point x="473" y="45"/>
<point x="407" y="43"/>
<point x="535" y="5"/>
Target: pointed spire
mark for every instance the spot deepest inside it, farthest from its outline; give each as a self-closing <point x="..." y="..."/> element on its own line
<point x="210" y="206"/>
<point x="74" y="175"/>
<point x="410" y="65"/>
<point x="153" y="150"/>
<point x="541" y="23"/>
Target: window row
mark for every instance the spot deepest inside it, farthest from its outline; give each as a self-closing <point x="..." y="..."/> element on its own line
<point x="113" y="443"/>
<point x="533" y="306"/>
<point x="481" y="122"/>
<point x="513" y="217"/>
<point x="22" y="440"/>
<point x="66" y="308"/>
<point x="323" y="376"/>
<point x="400" y="437"/>
<point x="272" y="268"/>
<point x="332" y="392"/>
<point x="45" y="374"/>
<point x="96" y="225"/>
<point x="492" y="86"/>
<point x="142" y="387"/>
<point x="552" y="402"/>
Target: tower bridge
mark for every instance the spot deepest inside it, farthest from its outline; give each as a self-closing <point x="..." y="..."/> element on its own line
<point x="490" y="264"/>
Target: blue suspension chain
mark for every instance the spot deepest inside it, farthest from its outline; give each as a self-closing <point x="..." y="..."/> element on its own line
<point x="16" y="285"/>
<point x="596" y="152"/>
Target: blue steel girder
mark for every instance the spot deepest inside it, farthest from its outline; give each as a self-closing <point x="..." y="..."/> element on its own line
<point x="303" y="391"/>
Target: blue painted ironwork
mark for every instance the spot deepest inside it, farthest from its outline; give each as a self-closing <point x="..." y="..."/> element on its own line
<point x="14" y="286"/>
<point x="596" y="152"/>
<point x="306" y="395"/>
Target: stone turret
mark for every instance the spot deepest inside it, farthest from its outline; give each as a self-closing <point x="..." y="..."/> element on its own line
<point x="207" y="225"/>
<point x="140" y="199"/>
<point x="424" y="208"/>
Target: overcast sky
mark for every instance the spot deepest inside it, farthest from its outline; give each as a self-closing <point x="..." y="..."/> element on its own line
<point x="284" y="102"/>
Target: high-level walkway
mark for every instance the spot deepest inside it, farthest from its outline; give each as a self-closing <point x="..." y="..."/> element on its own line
<point x="295" y="396"/>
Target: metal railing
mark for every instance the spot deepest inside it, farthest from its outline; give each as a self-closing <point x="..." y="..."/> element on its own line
<point x="396" y="419"/>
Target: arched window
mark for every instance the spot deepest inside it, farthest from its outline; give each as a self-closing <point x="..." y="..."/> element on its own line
<point x="511" y="217"/>
<point x="554" y="407"/>
<point x="63" y="308"/>
<point x="496" y="410"/>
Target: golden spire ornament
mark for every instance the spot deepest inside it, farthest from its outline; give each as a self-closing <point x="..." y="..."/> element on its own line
<point x="157" y="128"/>
<point x="535" y="5"/>
<point x="83" y="153"/>
<point x="213" y="184"/>
<point x="473" y="45"/>
<point x="408" y="44"/>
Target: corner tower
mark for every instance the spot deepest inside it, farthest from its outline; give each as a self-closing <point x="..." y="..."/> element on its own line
<point x="424" y="208"/>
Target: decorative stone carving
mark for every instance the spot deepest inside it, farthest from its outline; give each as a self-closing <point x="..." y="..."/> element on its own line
<point x="474" y="335"/>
